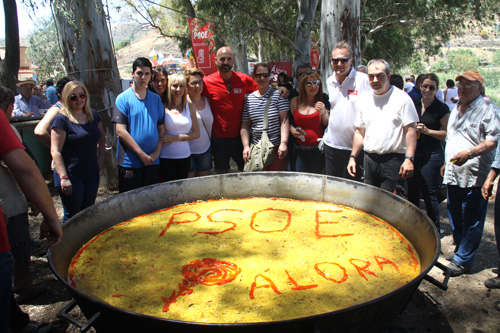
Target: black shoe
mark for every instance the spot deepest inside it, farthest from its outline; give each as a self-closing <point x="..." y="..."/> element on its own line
<point x="493" y="283"/>
<point x="30" y="294"/>
<point x="450" y="256"/>
<point x="457" y="269"/>
<point x="34" y="327"/>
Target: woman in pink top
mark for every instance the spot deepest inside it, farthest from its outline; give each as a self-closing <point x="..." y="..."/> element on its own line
<point x="311" y="117"/>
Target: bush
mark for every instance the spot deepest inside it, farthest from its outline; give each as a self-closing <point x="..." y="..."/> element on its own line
<point x="122" y="44"/>
<point x="491" y="78"/>
<point x="441" y="67"/>
<point x="496" y="58"/>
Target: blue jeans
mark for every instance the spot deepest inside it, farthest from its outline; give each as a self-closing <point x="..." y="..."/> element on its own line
<point x="467" y="212"/>
<point x="425" y="181"/>
<point x="201" y="162"/>
<point x="311" y="161"/>
<point x="83" y="194"/>
<point x="6" y="270"/>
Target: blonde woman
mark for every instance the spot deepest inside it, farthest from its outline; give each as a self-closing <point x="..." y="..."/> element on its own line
<point x="181" y="126"/>
<point x="77" y="148"/>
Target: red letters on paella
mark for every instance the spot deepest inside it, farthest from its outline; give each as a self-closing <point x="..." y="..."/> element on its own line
<point x="287" y="219"/>
<point x="209" y="217"/>
<point x="173" y="221"/>
<point x="322" y="272"/>
<point x="269" y="285"/>
<point x="364" y="269"/>
<point x="327" y="222"/>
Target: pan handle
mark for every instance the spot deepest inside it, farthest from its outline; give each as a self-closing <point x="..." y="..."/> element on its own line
<point x="447" y="274"/>
<point x="84" y="327"/>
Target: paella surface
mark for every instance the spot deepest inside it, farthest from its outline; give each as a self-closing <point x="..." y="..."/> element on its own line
<point x="244" y="260"/>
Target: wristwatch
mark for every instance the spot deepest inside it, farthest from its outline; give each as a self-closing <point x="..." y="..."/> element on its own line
<point x="409" y="158"/>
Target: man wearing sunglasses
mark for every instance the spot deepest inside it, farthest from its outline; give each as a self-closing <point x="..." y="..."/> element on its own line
<point x="226" y="90"/>
<point x="385" y="128"/>
<point x="472" y="135"/>
<point x="346" y="87"/>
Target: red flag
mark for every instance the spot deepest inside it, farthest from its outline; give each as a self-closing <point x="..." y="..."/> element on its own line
<point x="203" y="44"/>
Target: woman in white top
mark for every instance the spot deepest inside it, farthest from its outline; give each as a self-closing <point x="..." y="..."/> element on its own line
<point x="181" y="126"/>
<point x="450" y="94"/>
<point x="201" y="152"/>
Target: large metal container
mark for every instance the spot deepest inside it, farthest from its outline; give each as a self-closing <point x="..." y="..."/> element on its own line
<point x="370" y="316"/>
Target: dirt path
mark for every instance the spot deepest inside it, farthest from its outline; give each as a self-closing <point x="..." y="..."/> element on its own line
<point x="467" y="306"/>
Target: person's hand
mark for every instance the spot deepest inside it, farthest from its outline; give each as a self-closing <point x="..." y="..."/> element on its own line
<point x="320" y="106"/>
<point x="146" y="159"/>
<point x="441" y="172"/>
<point x="27" y="114"/>
<point x="460" y="158"/>
<point x="246" y="154"/>
<point x="421" y="128"/>
<point x="487" y="189"/>
<point x="50" y="229"/>
<point x="406" y="170"/>
<point x="351" y="167"/>
<point x="295" y="132"/>
<point x="282" y="150"/>
<point x="284" y="92"/>
<point x="66" y="187"/>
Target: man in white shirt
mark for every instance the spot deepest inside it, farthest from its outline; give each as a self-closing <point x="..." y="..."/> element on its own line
<point x="346" y="87"/>
<point x="385" y="125"/>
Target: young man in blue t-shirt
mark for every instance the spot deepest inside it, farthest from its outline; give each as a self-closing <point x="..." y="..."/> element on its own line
<point x="138" y="116"/>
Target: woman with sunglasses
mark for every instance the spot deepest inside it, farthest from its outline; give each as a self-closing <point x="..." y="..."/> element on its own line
<point x="310" y="117"/>
<point x="252" y="119"/>
<point x="431" y="130"/>
<point x="181" y="126"/>
<point x="158" y="83"/>
<point x="77" y="148"/>
<point x="201" y="152"/>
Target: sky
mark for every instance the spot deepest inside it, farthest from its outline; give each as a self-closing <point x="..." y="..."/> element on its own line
<point x="27" y="23"/>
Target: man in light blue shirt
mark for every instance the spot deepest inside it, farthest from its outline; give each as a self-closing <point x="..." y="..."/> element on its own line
<point x="26" y="104"/>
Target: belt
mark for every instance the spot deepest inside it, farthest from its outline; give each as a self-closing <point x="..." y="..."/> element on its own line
<point x="304" y="147"/>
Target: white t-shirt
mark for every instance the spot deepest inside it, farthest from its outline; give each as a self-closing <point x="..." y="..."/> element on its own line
<point x="440" y="95"/>
<point x="451" y="92"/>
<point x="177" y="124"/>
<point x="344" y="99"/>
<point x="205" y="121"/>
<point x="383" y="118"/>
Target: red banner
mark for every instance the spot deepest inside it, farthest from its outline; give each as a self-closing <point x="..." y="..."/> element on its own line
<point x="203" y="44"/>
<point x="278" y="67"/>
<point x="315" y="59"/>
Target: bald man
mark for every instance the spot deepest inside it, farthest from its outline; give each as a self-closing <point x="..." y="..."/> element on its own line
<point x="226" y="90"/>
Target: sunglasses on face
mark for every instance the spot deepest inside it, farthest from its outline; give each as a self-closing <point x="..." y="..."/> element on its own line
<point x="310" y="83"/>
<point x="342" y="60"/>
<point x="74" y="97"/>
<point x="426" y="86"/>
<point x="196" y="83"/>
<point x="261" y="75"/>
<point x="466" y="85"/>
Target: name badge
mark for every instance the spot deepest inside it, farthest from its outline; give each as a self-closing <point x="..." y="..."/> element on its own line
<point x="352" y="92"/>
<point x="238" y="90"/>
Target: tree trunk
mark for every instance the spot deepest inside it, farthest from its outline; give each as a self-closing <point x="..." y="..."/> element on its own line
<point x="340" y="20"/>
<point x="302" y="42"/>
<point x="240" y="55"/>
<point x="89" y="57"/>
<point x="9" y="66"/>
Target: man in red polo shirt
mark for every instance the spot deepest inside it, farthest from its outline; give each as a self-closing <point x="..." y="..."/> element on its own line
<point x="226" y="90"/>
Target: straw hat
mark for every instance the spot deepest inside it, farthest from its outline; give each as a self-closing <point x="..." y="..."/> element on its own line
<point x="28" y="81"/>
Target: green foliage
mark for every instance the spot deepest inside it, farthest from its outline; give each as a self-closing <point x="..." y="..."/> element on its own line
<point x="496" y="58"/>
<point x="44" y="51"/>
<point x="396" y="30"/>
<point x="462" y="60"/>
<point x="440" y="66"/>
<point x="122" y="44"/>
<point x="491" y="78"/>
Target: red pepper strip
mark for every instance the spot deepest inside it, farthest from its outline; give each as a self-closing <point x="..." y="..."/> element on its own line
<point x="297" y="287"/>
<point x="270" y="285"/>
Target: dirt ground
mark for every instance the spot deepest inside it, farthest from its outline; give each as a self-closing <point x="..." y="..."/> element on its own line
<point x="467" y="305"/>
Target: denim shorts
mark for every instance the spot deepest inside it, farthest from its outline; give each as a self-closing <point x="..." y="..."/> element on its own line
<point x="201" y="162"/>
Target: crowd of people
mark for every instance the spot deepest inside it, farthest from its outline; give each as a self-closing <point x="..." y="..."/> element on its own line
<point x="364" y="123"/>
